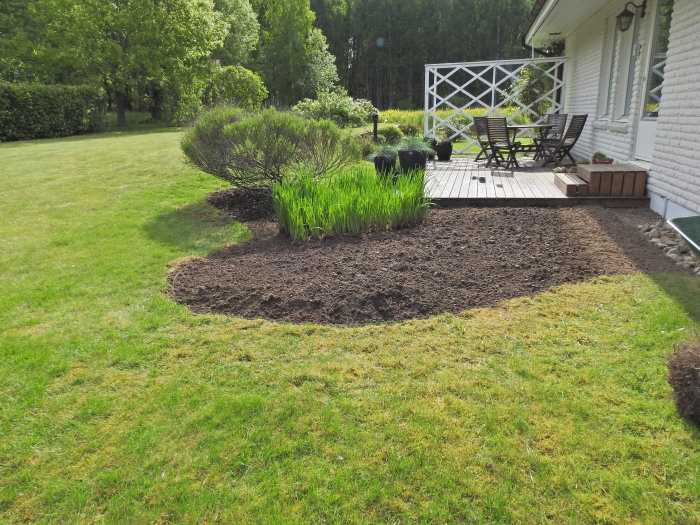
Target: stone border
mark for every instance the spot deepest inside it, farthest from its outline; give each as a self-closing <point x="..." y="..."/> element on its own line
<point x="662" y="235"/>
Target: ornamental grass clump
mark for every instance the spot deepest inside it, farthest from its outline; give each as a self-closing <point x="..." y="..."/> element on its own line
<point x="348" y="202"/>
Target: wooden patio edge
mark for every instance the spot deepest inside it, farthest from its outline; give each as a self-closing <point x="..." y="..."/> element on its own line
<point x="606" y="202"/>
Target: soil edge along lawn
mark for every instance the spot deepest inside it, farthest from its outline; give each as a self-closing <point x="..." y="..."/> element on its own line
<point x="458" y="259"/>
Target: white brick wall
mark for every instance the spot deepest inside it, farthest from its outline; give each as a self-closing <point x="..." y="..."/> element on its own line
<point x="675" y="171"/>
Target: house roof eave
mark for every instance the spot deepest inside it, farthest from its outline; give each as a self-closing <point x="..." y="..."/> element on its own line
<point x="537" y="8"/>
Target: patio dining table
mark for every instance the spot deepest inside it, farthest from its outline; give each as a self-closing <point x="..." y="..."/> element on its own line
<point x="542" y="129"/>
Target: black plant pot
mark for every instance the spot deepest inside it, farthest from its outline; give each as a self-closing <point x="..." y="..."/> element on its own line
<point x="444" y="151"/>
<point x="433" y="144"/>
<point x="412" y="160"/>
<point x="385" y="166"/>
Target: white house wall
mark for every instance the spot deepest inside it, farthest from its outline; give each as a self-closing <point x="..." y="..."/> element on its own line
<point x="675" y="171"/>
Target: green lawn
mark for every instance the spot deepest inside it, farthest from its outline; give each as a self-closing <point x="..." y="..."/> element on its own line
<point x="119" y="406"/>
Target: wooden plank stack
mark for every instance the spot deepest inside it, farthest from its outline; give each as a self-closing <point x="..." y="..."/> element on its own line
<point x="613" y="180"/>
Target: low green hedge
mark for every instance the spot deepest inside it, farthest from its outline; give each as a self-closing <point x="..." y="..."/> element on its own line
<point x="30" y="111"/>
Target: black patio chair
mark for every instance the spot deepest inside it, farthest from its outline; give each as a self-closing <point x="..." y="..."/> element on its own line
<point x="555" y="152"/>
<point x="500" y="143"/>
<point x="482" y="132"/>
<point x="553" y="134"/>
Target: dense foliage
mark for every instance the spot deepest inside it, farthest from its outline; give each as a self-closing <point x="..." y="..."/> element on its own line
<point x="294" y="58"/>
<point x="29" y="111"/>
<point x="381" y="46"/>
<point x="257" y="149"/>
<point x="133" y="45"/>
<point x="347" y="202"/>
<point x="238" y="86"/>
<point x="243" y="33"/>
<point x="337" y="106"/>
<point x="160" y="56"/>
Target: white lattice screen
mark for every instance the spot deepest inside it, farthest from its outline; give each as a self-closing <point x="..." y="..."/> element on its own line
<point x="454" y="91"/>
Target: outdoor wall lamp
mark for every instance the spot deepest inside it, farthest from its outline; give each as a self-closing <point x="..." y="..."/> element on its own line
<point x="624" y="19"/>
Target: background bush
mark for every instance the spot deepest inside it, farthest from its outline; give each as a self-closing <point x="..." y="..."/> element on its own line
<point x="238" y="86"/>
<point x="389" y="134"/>
<point x="348" y="202"/>
<point x="409" y="120"/>
<point x="257" y="149"/>
<point x="30" y="111"/>
<point x="337" y="106"/>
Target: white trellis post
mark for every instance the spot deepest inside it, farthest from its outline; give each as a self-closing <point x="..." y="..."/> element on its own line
<point x="496" y="98"/>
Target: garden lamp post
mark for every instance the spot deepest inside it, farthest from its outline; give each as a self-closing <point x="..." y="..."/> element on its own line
<point x="375" y="120"/>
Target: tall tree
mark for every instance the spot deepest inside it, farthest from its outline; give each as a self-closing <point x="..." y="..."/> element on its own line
<point x="19" y="32"/>
<point x="320" y="75"/>
<point x="243" y="32"/>
<point x="282" y="58"/>
<point x="128" y="43"/>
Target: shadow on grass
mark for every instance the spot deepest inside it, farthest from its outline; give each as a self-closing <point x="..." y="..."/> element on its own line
<point x="682" y="287"/>
<point x="196" y="227"/>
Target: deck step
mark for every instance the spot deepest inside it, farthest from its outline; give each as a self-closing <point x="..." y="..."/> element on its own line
<point x="571" y="185"/>
<point x="614" y="180"/>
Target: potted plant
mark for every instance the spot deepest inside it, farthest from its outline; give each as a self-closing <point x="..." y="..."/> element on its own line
<point x="413" y="153"/>
<point x="601" y="158"/>
<point x="560" y="169"/>
<point x="443" y="146"/>
<point x="443" y="150"/>
<point x="384" y="157"/>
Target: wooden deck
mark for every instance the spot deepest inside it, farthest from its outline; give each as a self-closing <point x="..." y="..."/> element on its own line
<point x="463" y="181"/>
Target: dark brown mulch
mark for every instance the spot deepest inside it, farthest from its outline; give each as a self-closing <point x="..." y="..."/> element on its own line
<point x="458" y="259"/>
<point x="684" y="377"/>
<point x="244" y="205"/>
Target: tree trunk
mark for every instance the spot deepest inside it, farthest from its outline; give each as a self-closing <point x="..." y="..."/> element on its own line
<point x="156" y="104"/>
<point x="120" y="99"/>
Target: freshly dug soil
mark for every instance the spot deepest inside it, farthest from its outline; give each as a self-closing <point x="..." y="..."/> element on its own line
<point x="244" y="205"/>
<point x="458" y="259"/>
<point x="684" y="377"/>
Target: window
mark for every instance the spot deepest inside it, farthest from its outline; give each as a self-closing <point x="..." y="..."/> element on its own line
<point x="634" y="53"/>
<point x="657" y="63"/>
<point x="617" y="79"/>
<point x="608" y="73"/>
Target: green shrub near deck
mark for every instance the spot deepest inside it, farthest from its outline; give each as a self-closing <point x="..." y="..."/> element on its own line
<point x="258" y="149"/>
<point x="337" y="106"/>
<point x="31" y="111"/>
<point x="348" y="202"/>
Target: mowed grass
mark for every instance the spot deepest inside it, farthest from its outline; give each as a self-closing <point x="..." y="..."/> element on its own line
<point x="119" y="406"/>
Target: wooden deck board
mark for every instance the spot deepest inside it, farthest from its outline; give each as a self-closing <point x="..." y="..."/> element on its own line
<point x="459" y="180"/>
